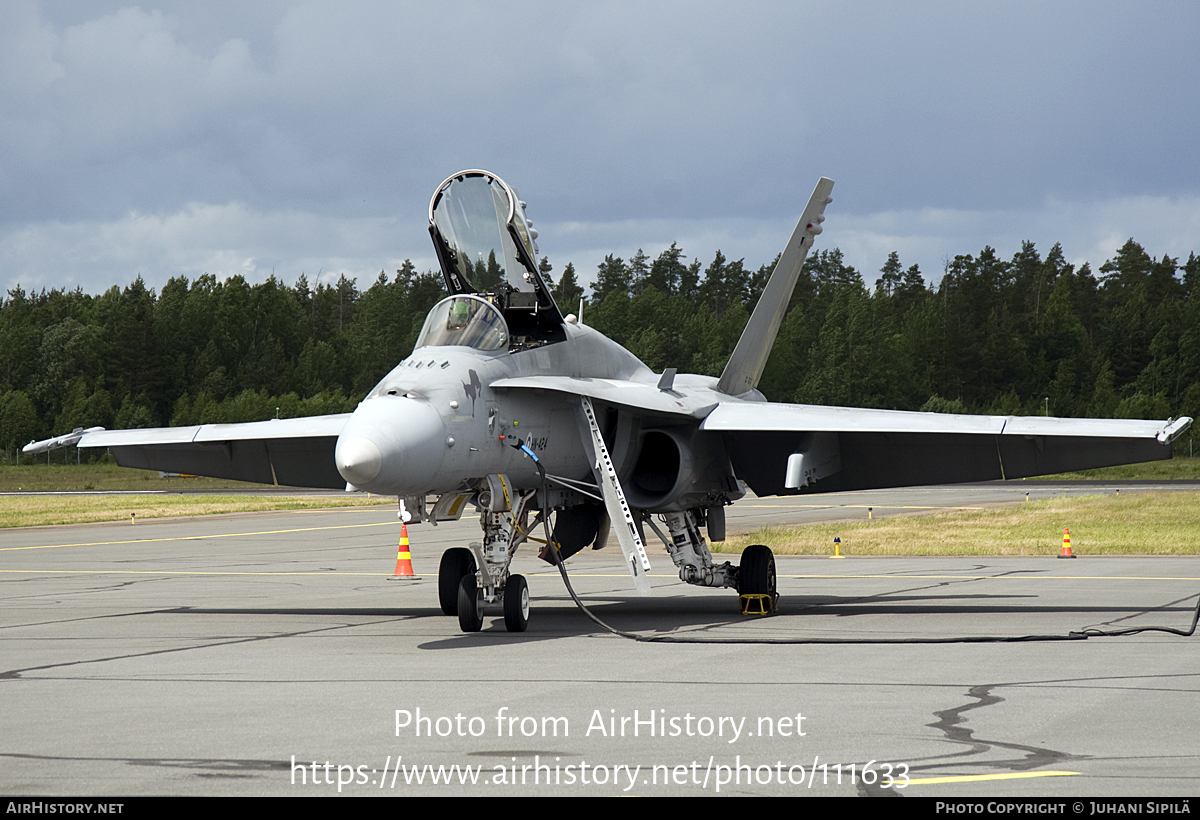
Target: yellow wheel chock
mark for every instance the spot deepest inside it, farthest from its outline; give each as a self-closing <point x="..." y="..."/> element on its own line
<point x="758" y="604"/>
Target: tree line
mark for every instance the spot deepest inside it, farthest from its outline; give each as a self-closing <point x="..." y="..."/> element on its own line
<point x="1027" y="335"/>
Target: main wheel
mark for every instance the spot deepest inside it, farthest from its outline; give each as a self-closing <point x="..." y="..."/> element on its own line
<point x="756" y="576"/>
<point x="516" y="604"/>
<point x="470" y="605"/>
<point x="457" y="563"/>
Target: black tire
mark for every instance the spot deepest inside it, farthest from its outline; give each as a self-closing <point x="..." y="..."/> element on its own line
<point x="470" y="608"/>
<point x="457" y="563"/>
<point x="516" y="604"/>
<point x="756" y="576"/>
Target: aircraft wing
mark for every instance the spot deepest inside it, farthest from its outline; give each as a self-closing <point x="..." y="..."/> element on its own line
<point x="292" y="452"/>
<point x="841" y="448"/>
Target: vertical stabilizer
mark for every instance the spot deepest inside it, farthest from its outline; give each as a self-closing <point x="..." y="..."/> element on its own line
<point x="746" y="365"/>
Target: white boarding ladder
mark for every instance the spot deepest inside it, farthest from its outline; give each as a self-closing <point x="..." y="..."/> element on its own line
<point x="616" y="505"/>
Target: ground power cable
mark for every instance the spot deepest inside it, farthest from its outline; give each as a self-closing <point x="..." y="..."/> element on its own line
<point x="1080" y="635"/>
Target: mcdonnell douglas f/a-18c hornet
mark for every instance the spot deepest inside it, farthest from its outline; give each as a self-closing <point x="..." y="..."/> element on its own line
<point x="531" y="416"/>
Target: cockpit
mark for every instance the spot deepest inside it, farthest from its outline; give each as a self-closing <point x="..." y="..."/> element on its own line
<point x="487" y="250"/>
<point x="468" y="321"/>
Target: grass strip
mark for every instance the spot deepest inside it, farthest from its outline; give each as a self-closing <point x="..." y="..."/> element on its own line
<point x="1181" y="467"/>
<point x="101" y="476"/>
<point x="47" y="510"/>
<point x="1150" y="523"/>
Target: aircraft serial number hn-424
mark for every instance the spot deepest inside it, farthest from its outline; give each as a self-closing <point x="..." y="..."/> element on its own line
<point x="530" y="416"/>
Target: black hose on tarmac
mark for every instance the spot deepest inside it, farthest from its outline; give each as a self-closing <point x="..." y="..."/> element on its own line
<point x="1081" y="635"/>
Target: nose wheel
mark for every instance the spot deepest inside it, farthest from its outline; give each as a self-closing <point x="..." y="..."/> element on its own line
<point x="515" y="599"/>
<point x="470" y="605"/>
<point x="457" y="563"/>
<point x="516" y="604"/>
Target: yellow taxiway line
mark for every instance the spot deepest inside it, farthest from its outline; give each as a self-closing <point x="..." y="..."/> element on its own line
<point x="979" y="778"/>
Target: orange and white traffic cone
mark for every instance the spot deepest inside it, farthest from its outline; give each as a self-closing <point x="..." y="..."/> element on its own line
<point x="404" y="568"/>
<point x="1066" y="547"/>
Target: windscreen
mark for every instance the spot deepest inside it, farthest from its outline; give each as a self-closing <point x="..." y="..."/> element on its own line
<point x="464" y="320"/>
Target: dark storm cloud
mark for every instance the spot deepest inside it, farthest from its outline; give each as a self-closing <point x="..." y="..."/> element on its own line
<point x="176" y="138"/>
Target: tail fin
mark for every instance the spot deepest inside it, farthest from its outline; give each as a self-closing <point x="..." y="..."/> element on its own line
<point x="746" y="365"/>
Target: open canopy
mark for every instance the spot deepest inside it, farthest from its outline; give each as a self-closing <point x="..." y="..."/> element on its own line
<point x="486" y="247"/>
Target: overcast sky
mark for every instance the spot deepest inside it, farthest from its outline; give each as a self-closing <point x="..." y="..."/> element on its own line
<point x="178" y="138"/>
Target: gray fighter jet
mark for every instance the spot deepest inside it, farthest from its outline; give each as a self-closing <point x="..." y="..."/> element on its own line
<point x="531" y="417"/>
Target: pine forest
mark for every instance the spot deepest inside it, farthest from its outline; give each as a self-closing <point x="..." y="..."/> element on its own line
<point x="1030" y="335"/>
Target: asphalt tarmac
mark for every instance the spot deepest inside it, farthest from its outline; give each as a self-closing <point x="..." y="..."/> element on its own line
<point x="272" y="654"/>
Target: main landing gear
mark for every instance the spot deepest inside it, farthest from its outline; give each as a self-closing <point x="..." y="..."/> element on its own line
<point x="469" y="580"/>
<point x="756" y="581"/>
<point x="754" y="578"/>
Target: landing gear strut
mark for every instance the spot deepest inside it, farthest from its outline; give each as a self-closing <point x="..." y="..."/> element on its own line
<point x="754" y="579"/>
<point x="471" y="579"/>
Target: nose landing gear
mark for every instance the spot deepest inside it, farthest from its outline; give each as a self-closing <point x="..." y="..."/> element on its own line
<point x="471" y="579"/>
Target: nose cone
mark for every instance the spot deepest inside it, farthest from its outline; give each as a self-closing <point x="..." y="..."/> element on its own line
<point x="392" y="445"/>
<point x="358" y="459"/>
